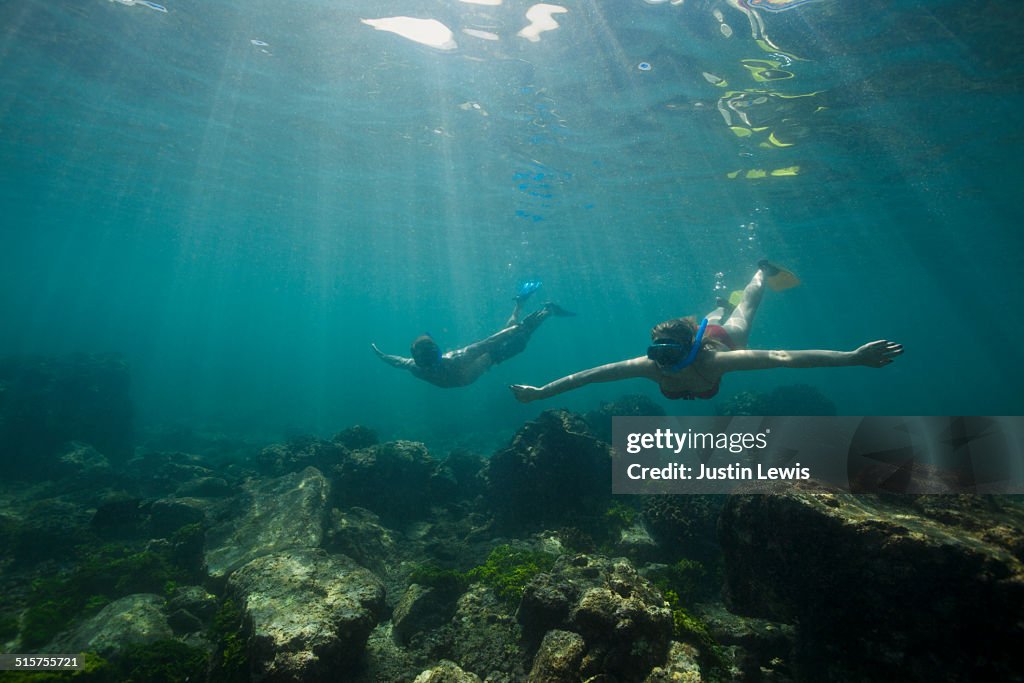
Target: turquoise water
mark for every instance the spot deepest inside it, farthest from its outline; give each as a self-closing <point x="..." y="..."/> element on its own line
<point x="241" y="197"/>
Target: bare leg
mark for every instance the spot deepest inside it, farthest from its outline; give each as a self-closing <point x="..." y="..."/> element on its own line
<point x="508" y="342"/>
<point x="715" y="316"/>
<point x="514" y="318"/>
<point x="740" y="321"/>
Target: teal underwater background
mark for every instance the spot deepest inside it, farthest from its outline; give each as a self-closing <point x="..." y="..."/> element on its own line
<point x="241" y="197"/>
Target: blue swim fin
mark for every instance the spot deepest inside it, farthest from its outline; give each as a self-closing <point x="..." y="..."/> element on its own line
<point x="526" y="289"/>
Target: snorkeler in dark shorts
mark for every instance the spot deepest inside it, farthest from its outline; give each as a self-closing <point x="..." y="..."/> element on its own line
<point x="464" y="366"/>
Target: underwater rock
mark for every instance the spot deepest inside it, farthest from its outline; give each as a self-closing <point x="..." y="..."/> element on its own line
<point x="759" y="643"/>
<point x="743" y="403"/>
<point x="486" y="637"/>
<point x="308" y="613"/>
<point x="167" y="515"/>
<point x="465" y="468"/>
<point x="456" y="536"/>
<point x="636" y="543"/>
<point x="446" y="672"/>
<point x="46" y="401"/>
<point x="790" y="399"/>
<point x="133" y="619"/>
<point x="287" y="512"/>
<point x="554" y="473"/>
<point x="205" y="487"/>
<point x="83" y="463"/>
<point x="43" y="529"/>
<point x="631" y="405"/>
<point x="358" y="533"/>
<point x="298" y="454"/>
<point x="559" y="657"/>
<point x="183" y="622"/>
<point x="120" y="517"/>
<point x="882" y="589"/>
<point x="156" y="474"/>
<point x="621" y="617"/>
<point x="681" y="665"/>
<point x="356" y="436"/>
<point x="684" y="525"/>
<point x="393" y="479"/>
<point x="421" y="609"/>
<point x="126" y="518"/>
<point x="194" y="599"/>
<point x="385" y="661"/>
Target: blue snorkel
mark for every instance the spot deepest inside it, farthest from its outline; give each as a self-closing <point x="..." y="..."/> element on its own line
<point x="692" y="356"/>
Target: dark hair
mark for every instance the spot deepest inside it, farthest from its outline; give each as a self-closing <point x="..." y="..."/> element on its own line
<point x="683" y="330"/>
<point x="425" y="351"/>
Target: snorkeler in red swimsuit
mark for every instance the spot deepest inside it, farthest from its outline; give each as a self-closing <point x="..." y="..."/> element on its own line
<point x="688" y="361"/>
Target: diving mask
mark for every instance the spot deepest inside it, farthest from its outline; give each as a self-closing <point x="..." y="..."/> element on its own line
<point x="670" y="354"/>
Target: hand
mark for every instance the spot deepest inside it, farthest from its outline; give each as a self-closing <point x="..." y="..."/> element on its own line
<point x="377" y="351"/>
<point x="878" y="354"/>
<point x="525" y="393"/>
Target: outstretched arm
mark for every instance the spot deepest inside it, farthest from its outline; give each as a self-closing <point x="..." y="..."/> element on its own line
<point x="874" y="354"/>
<point x="394" y="361"/>
<point x="626" y="369"/>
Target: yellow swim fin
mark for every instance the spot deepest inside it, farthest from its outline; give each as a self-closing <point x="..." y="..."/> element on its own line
<point x="777" y="277"/>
